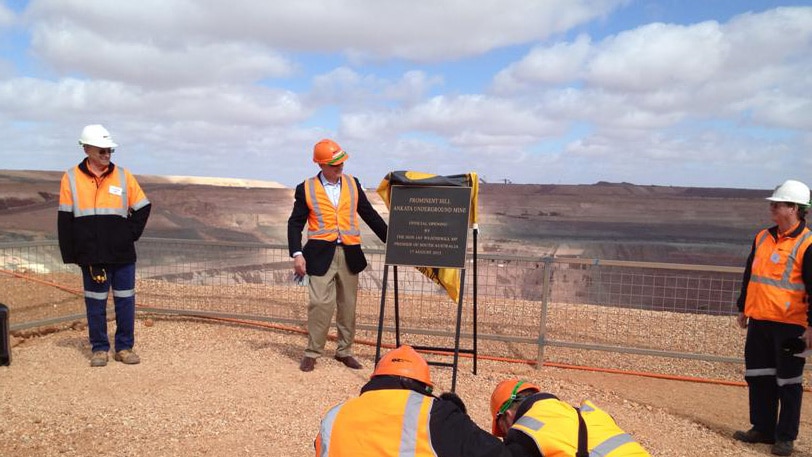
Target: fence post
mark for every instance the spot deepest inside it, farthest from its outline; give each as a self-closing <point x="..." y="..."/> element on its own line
<point x="545" y="300"/>
<point x="5" y="343"/>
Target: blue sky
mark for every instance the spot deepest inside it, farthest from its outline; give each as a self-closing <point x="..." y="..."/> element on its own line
<point x="709" y="93"/>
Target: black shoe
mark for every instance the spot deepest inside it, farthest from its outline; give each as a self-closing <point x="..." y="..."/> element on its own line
<point x="307" y="364"/>
<point x="350" y="362"/>
<point x="753" y="436"/>
<point x="782" y="448"/>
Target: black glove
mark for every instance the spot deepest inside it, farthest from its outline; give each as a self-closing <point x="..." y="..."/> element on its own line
<point x="454" y="398"/>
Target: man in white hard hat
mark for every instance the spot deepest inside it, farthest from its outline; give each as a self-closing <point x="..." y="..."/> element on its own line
<point x="774" y="307"/>
<point x="102" y="213"/>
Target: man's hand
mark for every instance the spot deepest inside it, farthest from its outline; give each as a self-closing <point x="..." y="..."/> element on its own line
<point x="299" y="265"/>
<point x="807" y="336"/>
<point x="454" y="398"/>
<point x="741" y="319"/>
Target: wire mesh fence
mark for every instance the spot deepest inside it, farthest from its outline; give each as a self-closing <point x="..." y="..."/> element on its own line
<point x="612" y="314"/>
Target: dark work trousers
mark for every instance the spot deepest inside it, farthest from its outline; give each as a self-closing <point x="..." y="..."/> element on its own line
<point x="774" y="378"/>
<point x="121" y="278"/>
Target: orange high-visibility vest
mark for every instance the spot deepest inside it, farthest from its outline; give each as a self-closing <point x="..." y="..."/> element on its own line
<point x="776" y="290"/>
<point x="379" y="423"/>
<point x="553" y="425"/>
<point x="327" y="222"/>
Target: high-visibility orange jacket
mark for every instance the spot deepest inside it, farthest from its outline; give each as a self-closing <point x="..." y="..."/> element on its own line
<point x="778" y="277"/>
<point x="100" y="218"/>
<point x="327" y="222"/>
<point x="390" y="420"/>
<point x="550" y="427"/>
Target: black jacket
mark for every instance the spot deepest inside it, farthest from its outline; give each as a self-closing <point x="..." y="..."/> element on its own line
<point x="100" y="239"/>
<point x="318" y="254"/>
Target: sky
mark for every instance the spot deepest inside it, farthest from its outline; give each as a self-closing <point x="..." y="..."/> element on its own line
<point x="700" y="93"/>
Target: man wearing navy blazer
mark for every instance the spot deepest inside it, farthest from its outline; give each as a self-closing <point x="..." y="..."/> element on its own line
<point x="329" y="205"/>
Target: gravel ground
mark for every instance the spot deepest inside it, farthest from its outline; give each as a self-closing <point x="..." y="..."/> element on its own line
<point x="209" y="388"/>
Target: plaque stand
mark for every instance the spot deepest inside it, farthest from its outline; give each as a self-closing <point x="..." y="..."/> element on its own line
<point x="456" y="350"/>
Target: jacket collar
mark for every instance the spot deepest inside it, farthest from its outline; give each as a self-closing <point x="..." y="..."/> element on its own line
<point x="795" y="233"/>
<point x="83" y="166"/>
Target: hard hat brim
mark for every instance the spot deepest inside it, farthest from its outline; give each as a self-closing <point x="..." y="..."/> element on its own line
<point x="99" y="144"/>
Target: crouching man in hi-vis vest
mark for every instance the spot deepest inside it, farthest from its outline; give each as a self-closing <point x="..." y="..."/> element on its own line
<point x="396" y="415"/>
<point x="534" y="424"/>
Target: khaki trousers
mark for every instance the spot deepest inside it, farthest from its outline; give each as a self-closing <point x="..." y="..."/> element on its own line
<point x="336" y="291"/>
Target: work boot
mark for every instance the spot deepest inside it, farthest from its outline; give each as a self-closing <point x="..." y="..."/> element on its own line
<point x="307" y="364"/>
<point x="782" y="448"/>
<point x="99" y="359"/>
<point x="753" y="436"/>
<point x="127" y="356"/>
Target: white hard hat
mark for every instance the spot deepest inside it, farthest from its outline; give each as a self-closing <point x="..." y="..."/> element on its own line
<point x="96" y="135"/>
<point x="792" y="192"/>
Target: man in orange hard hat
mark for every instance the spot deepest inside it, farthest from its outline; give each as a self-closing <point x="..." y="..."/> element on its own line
<point x="537" y="424"/>
<point x="329" y="205"/>
<point x="397" y="415"/>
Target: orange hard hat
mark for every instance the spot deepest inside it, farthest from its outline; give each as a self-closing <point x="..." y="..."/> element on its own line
<point x="503" y="396"/>
<point x="328" y="152"/>
<point x="406" y="362"/>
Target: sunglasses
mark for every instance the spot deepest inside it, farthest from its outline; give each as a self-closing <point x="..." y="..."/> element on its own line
<point x="780" y="204"/>
<point x="103" y="151"/>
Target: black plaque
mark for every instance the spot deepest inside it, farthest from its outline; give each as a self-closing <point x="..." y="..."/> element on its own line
<point x="428" y="226"/>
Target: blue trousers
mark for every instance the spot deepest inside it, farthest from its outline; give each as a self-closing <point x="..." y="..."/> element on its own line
<point x="121" y="278"/>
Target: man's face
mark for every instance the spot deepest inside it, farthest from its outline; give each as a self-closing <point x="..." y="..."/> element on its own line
<point x="98" y="157"/>
<point x="332" y="172"/>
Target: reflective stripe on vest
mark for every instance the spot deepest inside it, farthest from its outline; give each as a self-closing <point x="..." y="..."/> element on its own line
<point x="328" y="222"/>
<point x="776" y="291"/>
<point x="345" y="429"/>
<point x="553" y="425"/>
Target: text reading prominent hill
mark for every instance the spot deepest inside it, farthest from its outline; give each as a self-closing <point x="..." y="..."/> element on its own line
<point x="428" y="226"/>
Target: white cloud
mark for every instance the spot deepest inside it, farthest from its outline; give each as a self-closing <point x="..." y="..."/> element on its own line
<point x="38" y="100"/>
<point x="421" y="29"/>
<point x="461" y="119"/>
<point x="7" y="16"/>
<point x="72" y="50"/>
<point x="545" y="65"/>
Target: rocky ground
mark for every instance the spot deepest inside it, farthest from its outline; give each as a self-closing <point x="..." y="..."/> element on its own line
<point x="211" y="388"/>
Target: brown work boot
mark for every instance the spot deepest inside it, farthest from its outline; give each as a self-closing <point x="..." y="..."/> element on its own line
<point x="782" y="448"/>
<point x="753" y="436"/>
<point x="307" y="364"/>
<point x="127" y="356"/>
<point x="350" y="362"/>
<point x="99" y="359"/>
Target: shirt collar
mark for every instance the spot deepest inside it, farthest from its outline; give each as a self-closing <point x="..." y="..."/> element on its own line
<point x="325" y="182"/>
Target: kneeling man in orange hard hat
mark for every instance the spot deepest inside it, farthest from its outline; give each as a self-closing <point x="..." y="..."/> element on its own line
<point x="397" y="415"/>
<point x="536" y="423"/>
